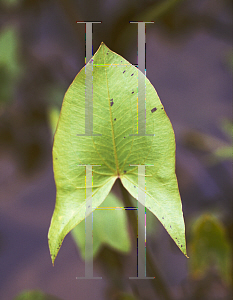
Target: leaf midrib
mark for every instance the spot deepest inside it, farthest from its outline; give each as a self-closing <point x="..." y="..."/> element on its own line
<point x="111" y="119"/>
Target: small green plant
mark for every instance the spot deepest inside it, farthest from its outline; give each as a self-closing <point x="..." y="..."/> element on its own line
<point x="113" y="149"/>
<point x="210" y="248"/>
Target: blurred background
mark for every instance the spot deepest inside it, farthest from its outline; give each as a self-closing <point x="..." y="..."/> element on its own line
<point x="189" y="62"/>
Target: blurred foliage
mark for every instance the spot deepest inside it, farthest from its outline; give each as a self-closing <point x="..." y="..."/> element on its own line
<point x="231" y="60"/>
<point x="109" y="228"/>
<point x="225" y="152"/>
<point x="53" y="116"/>
<point x="210" y="248"/>
<point x="35" y="295"/>
<point x="9" y="63"/>
<point x="227" y="127"/>
<point x="123" y="296"/>
<point x="215" y="149"/>
<point x="9" y="49"/>
<point x="10" y="3"/>
<point x="159" y="9"/>
<point x="55" y="95"/>
<point x="124" y="33"/>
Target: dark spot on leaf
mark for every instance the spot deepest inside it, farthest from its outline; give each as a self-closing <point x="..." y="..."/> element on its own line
<point x="153" y="109"/>
<point x="134" y="186"/>
<point x="115" y="119"/>
<point x="123" y="71"/>
<point x="111" y="102"/>
<point x="124" y="171"/>
<point x="161" y="107"/>
<point x="121" y="60"/>
<point x="89" y="206"/>
<point x="170" y="227"/>
<point x="162" y="217"/>
<point x="132" y="92"/>
<point x="181" y="245"/>
<point x="124" y="137"/>
<point x="132" y="74"/>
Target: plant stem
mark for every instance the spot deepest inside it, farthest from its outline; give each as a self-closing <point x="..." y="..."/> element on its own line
<point x="159" y="285"/>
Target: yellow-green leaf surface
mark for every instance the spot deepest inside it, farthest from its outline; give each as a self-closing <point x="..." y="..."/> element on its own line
<point x="115" y="84"/>
<point x="109" y="228"/>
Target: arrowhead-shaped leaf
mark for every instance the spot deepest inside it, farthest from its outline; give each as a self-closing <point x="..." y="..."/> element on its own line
<point x="115" y="85"/>
<point x="109" y="228"/>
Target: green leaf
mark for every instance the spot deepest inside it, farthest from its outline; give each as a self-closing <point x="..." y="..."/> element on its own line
<point x="35" y="295"/>
<point x="115" y="83"/>
<point x="109" y="228"/>
<point x="209" y="247"/>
